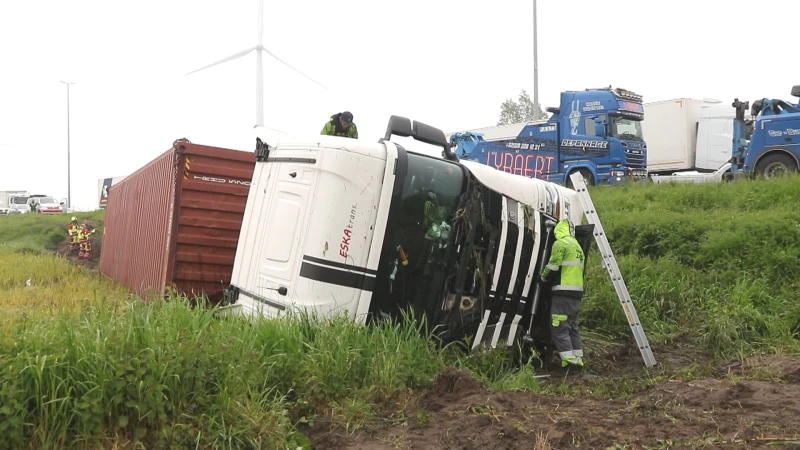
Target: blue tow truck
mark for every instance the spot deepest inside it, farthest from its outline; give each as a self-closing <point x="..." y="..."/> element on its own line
<point x="774" y="145"/>
<point x="597" y="132"/>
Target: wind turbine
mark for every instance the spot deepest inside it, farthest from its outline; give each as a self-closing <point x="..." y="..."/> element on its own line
<point x="258" y="48"/>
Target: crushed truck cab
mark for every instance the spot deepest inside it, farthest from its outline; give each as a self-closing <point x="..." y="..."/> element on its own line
<point x="342" y="226"/>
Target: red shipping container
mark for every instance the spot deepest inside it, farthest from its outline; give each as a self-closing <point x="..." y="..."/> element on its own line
<point x="175" y="222"/>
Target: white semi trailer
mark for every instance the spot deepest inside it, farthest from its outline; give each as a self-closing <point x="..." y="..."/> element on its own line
<point x="343" y="226"/>
<point x="688" y="139"/>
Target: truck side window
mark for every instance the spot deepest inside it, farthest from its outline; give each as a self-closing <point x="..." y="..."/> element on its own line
<point x="588" y="125"/>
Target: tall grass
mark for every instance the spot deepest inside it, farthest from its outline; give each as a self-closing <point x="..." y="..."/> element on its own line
<point x="717" y="264"/>
<point x="172" y="376"/>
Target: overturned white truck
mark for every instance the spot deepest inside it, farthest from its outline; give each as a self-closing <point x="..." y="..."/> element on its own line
<point x="336" y="225"/>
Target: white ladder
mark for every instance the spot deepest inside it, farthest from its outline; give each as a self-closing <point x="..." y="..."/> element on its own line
<point x="610" y="264"/>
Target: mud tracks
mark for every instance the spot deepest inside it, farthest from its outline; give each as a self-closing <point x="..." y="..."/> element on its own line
<point x="459" y="413"/>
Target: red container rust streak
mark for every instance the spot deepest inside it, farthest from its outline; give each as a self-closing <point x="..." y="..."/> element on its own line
<point x="176" y="221"/>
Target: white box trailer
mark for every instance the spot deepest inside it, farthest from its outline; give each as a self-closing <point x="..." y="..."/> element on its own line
<point x="6" y="202"/>
<point x="687" y="134"/>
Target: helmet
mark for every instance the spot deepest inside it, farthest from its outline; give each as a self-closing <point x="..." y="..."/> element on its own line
<point x="74" y="219"/>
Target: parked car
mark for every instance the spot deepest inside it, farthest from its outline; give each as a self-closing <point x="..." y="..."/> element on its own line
<point x="46" y="205"/>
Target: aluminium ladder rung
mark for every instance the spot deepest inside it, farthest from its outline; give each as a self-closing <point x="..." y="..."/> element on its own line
<point x="610" y="264"/>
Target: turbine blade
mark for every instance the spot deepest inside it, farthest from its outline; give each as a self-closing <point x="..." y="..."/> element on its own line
<point x="293" y="68"/>
<point x="260" y="20"/>
<point x="226" y="59"/>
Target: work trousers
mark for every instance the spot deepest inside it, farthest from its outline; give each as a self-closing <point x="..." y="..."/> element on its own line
<point x="564" y="329"/>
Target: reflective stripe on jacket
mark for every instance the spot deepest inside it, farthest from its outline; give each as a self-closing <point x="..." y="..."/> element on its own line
<point x="567" y="258"/>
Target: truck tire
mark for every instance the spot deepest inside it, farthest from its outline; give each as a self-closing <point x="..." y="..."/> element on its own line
<point x="775" y="164"/>
<point x="586" y="176"/>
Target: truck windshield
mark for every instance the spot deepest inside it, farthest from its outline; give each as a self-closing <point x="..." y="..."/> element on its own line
<point x="413" y="260"/>
<point x="626" y="129"/>
<point x="19" y="200"/>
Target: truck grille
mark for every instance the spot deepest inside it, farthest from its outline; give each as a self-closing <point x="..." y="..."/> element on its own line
<point x="634" y="158"/>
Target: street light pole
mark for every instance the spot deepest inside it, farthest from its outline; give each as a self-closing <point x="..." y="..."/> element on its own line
<point x="535" y="65"/>
<point x="69" y="180"/>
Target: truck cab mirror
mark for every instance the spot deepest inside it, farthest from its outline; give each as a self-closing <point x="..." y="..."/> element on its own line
<point x="402" y="126"/>
<point x="599" y="127"/>
<point x="429" y="135"/>
<point x="796" y="91"/>
<point x="398" y="126"/>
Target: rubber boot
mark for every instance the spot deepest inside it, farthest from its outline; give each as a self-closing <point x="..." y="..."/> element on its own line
<point x="570" y="370"/>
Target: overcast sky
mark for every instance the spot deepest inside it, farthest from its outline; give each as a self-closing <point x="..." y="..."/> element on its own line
<point x="448" y="63"/>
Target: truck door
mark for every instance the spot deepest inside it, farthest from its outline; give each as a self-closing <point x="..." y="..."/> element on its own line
<point x="267" y="254"/>
<point x="584" y="146"/>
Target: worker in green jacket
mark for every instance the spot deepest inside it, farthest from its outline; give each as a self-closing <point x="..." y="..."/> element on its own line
<point x="341" y="124"/>
<point x="566" y="260"/>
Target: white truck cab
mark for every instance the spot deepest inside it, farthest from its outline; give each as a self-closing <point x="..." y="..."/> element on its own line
<point x="335" y="226"/>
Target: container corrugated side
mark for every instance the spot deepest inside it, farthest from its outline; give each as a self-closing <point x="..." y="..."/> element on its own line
<point x="176" y="222"/>
<point x="211" y="198"/>
<point x="136" y="234"/>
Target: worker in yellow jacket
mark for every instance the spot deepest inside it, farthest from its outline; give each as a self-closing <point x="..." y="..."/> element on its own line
<point x="566" y="262"/>
<point x="341" y="124"/>
<point x="84" y="240"/>
<point x="73" y="229"/>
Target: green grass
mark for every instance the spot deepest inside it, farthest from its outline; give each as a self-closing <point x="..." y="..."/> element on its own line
<point x="715" y="264"/>
<point x="38" y="234"/>
<point x="171" y="376"/>
<point x="85" y="365"/>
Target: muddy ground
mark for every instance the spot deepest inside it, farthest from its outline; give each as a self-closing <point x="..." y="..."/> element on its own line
<point x="72" y="256"/>
<point x="750" y="405"/>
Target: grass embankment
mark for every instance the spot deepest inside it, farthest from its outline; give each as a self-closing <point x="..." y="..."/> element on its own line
<point x="28" y="244"/>
<point x="38" y="233"/>
<point x="717" y="265"/>
<point x="712" y="265"/>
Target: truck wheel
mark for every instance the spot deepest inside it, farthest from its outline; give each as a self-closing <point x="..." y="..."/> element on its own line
<point x="587" y="176"/>
<point x="776" y="164"/>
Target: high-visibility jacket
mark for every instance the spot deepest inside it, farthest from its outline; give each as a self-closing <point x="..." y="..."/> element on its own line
<point x="332" y="128"/>
<point x="567" y="259"/>
<point x="73" y="231"/>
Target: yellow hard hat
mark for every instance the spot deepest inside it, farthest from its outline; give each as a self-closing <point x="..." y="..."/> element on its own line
<point x="74" y="219"/>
